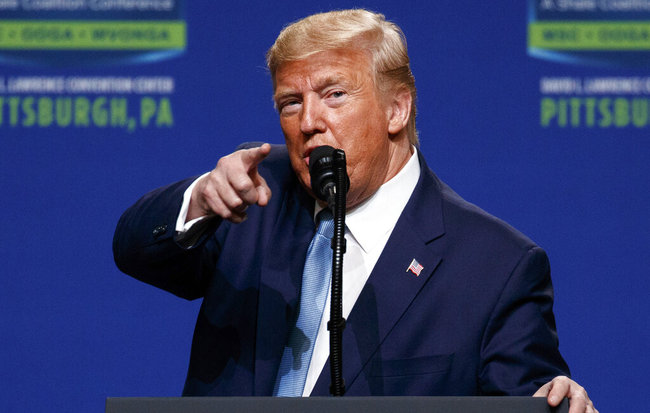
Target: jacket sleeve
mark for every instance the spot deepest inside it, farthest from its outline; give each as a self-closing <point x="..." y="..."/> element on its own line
<point x="519" y="351"/>
<point x="144" y="244"/>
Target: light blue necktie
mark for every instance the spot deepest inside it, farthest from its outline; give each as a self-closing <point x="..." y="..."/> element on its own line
<point x="316" y="277"/>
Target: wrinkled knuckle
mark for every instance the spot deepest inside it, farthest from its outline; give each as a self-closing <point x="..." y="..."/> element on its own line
<point x="223" y="162"/>
<point x="204" y="191"/>
<point x="242" y="185"/>
<point x="214" y="179"/>
<point x="238" y="204"/>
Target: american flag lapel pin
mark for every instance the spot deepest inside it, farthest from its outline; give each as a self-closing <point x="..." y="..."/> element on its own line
<point x="415" y="267"/>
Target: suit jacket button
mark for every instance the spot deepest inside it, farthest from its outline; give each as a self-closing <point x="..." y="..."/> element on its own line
<point x="159" y="230"/>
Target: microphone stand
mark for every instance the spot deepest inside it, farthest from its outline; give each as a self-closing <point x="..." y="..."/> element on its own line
<point x="337" y="322"/>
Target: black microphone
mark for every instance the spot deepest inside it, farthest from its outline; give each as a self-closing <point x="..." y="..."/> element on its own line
<point x="330" y="182"/>
<point x="321" y="170"/>
<point x="323" y="177"/>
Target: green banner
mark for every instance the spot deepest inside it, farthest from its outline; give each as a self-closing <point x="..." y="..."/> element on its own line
<point x="590" y="35"/>
<point x="92" y="35"/>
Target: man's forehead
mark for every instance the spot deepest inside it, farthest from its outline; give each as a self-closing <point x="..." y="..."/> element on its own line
<point x="314" y="80"/>
<point x="322" y="70"/>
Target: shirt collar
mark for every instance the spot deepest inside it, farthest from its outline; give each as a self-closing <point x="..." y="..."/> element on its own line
<point x="373" y="220"/>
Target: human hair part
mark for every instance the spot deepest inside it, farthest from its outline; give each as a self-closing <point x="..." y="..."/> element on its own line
<point x="357" y="29"/>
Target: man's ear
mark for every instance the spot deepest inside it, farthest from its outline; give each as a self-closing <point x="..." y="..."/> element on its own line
<point x="399" y="110"/>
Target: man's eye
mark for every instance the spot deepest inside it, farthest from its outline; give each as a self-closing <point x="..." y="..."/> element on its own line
<point x="337" y="94"/>
<point x="289" y="105"/>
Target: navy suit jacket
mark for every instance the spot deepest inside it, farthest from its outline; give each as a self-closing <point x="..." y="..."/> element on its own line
<point x="477" y="320"/>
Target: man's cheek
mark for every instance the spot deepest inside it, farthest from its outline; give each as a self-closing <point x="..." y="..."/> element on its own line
<point x="302" y="171"/>
<point x="306" y="178"/>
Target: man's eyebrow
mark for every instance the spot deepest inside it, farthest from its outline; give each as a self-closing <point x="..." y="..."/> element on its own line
<point x="334" y="79"/>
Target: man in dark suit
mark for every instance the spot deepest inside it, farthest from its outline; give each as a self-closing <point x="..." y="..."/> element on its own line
<point x="442" y="298"/>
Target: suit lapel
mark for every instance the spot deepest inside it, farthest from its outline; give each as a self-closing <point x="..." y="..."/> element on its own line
<point x="280" y="282"/>
<point x="391" y="288"/>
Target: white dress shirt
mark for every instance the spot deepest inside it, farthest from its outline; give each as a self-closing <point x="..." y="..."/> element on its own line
<point x="367" y="230"/>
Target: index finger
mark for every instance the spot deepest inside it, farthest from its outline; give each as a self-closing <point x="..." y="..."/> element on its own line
<point x="559" y="389"/>
<point x="253" y="156"/>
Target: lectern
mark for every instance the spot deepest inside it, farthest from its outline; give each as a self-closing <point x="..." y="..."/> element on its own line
<point x="333" y="405"/>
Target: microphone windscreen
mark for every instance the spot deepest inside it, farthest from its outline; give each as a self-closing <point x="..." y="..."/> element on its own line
<point x="321" y="170"/>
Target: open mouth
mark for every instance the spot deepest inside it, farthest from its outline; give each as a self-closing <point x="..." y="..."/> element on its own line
<point x="307" y="153"/>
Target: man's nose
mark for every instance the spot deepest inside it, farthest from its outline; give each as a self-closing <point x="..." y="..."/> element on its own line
<point x="311" y="120"/>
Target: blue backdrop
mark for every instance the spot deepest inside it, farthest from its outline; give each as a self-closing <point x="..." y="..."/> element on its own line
<point x="74" y="330"/>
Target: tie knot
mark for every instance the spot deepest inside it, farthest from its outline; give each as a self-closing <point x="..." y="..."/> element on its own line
<point x="325" y="223"/>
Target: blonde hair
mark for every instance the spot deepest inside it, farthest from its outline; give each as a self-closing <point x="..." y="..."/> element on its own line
<point x="351" y="29"/>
